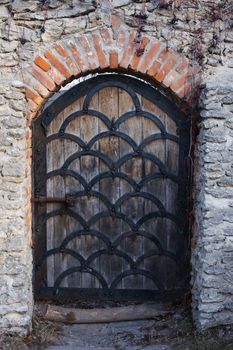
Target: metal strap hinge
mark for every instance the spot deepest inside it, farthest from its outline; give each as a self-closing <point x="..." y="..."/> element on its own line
<point x="42" y="199"/>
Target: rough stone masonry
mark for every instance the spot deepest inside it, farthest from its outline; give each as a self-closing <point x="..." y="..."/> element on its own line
<point x="200" y="32"/>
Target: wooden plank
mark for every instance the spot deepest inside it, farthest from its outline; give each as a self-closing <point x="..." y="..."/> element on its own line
<point x="72" y="186"/>
<point x="55" y="188"/>
<point x="173" y="237"/>
<point x="113" y="314"/>
<point x="110" y="265"/>
<point x="113" y="102"/>
<point x="39" y="169"/>
<point x="156" y="187"/>
<point x="88" y="206"/>
<point x="132" y="168"/>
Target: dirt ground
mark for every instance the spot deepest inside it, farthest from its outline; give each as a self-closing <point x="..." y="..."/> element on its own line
<point x="174" y="331"/>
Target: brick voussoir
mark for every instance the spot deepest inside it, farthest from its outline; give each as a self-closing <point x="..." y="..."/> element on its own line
<point x="32" y="106"/>
<point x="57" y="77"/>
<point x="129" y="51"/>
<point x="167" y="66"/>
<point x="43" y="78"/>
<point x="78" y="56"/>
<point x="41" y="90"/>
<point x="58" y="63"/>
<point x="42" y="63"/>
<point x="183" y="64"/>
<point x="106" y="36"/>
<point x="92" y="59"/>
<point x="35" y="84"/>
<point x="121" y="40"/>
<point x="139" y="53"/>
<point x="170" y="77"/>
<point x="99" y="51"/>
<point x="113" y="59"/>
<point x="185" y="90"/>
<point x="188" y="76"/>
<point x="154" y="69"/>
<point x="149" y="57"/>
<point x="98" y="45"/>
<point x="30" y="93"/>
<point x="63" y="51"/>
<point x="180" y="82"/>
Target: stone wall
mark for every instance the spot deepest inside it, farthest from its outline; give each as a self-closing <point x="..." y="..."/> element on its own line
<point x="213" y="253"/>
<point x="198" y="30"/>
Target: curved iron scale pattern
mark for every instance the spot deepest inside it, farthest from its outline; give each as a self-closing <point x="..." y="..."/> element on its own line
<point x="111" y="209"/>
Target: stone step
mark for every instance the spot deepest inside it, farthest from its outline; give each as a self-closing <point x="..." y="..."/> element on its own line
<point x="74" y="347"/>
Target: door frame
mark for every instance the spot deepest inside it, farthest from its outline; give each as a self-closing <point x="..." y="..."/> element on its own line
<point x="39" y="160"/>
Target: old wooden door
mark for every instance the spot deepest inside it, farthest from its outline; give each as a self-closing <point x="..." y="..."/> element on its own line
<point x="110" y="183"/>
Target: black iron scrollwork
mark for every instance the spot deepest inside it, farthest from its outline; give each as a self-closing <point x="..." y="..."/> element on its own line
<point x="133" y="265"/>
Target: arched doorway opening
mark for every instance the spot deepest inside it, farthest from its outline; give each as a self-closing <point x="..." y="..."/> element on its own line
<point x="111" y="189"/>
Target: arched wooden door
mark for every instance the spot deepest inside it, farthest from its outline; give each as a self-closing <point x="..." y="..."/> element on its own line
<point x="110" y="203"/>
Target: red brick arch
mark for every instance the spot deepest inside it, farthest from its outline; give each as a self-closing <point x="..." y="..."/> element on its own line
<point x="101" y="51"/>
<point x="71" y="58"/>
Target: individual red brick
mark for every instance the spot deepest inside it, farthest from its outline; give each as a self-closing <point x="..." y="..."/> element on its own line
<point x="29" y="141"/>
<point x="42" y="91"/>
<point x="170" y="78"/>
<point x="61" y="67"/>
<point x="79" y="58"/>
<point x="138" y="55"/>
<point x="113" y="58"/>
<point x="182" y="65"/>
<point x="163" y="55"/>
<point x="69" y="61"/>
<point x="29" y="116"/>
<point x="42" y="63"/>
<point x="28" y="134"/>
<point x="129" y="51"/>
<point x="106" y="36"/>
<point x="28" y="153"/>
<point x="90" y="56"/>
<point x="33" y="83"/>
<point x="154" y="69"/>
<point x="184" y="90"/>
<point x="121" y="39"/>
<point x="166" y="67"/>
<point x="32" y="106"/>
<point x="180" y="82"/>
<point x="56" y="76"/>
<point x="43" y="78"/>
<point x="149" y="57"/>
<point x="116" y="22"/>
<point x="33" y="95"/>
<point x="98" y="47"/>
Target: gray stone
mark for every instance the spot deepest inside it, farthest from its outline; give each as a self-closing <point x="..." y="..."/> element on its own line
<point x="30" y="27"/>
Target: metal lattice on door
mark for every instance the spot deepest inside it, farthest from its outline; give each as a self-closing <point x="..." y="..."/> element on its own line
<point x="111" y="184"/>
